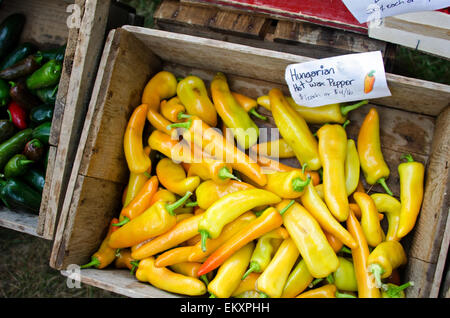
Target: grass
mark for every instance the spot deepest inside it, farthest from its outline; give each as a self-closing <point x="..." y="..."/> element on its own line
<point x="25" y="270"/>
<point x="420" y="65"/>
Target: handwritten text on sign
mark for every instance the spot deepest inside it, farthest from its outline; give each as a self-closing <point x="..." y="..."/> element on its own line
<point x="344" y="78"/>
<point x="370" y="10"/>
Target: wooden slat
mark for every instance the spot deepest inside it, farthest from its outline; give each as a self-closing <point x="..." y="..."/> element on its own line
<point x="424" y="31"/>
<point x="95" y="202"/>
<point x="435" y="206"/>
<point x="90" y="40"/>
<point x="113" y="117"/>
<point x="198" y="18"/>
<point x="19" y="221"/>
<point x="326" y="38"/>
<point x="118" y="281"/>
<point x="129" y="49"/>
<point x="422" y="274"/>
<point x="64" y="229"/>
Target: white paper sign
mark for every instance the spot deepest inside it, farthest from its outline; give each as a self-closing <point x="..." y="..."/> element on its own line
<point x="343" y="78"/>
<point x="372" y="10"/>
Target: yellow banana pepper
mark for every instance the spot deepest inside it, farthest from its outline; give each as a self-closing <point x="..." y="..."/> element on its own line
<point x="333" y="151"/>
<point x="411" y="175"/>
<point x="173" y="177"/>
<point x="231" y="206"/>
<point x="209" y="191"/>
<point x="310" y="240"/>
<point x="351" y="168"/>
<point x="165" y="279"/>
<point x="371" y="157"/>
<point x="193" y="95"/>
<point x="278" y="148"/>
<point x="370" y="221"/>
<point x="333" y="113"/>
<point x="272" y="280"/>
<point x="386" y="257"/>
<point x="319" y="210"/>
<point x="162" y="85"/>
<point x="294" y="130"/>
<point x="229" y="274"/>
<point x="287" y="185"/>
<point x="391" y="206"/>
<point x="298" y="280"/>
<point x="245" y="131"/>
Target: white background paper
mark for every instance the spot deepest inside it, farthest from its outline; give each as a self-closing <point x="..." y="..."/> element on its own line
<point x="369" y="10"/>
<point x="336" y="79"/>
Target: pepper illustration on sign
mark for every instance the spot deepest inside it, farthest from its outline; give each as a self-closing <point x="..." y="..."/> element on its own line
<point x="369" y="81"/>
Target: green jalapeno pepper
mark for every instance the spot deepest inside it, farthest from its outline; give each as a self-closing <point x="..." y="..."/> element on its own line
<point x="7" y="129"/>
<point x="16" y="194"/>
<point x="46" y="76"/>
<point x="41" y="114"/>
<point x="17" y="166"/>
<point x="35" y="178"/>
<point x="14" y="145"/>
<point x="18" y="54"/>
<point x="4" y="93"/>
<point x="42" y="132"/>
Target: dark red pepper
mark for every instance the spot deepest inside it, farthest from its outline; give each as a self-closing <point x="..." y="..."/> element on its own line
<point x="22" y="95"/>
<point x="18" y="115"/>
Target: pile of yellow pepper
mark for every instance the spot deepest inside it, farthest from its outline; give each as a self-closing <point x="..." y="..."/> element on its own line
<point x="245" y="228"/>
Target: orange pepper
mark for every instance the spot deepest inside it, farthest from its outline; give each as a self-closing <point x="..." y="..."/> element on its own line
<point x="140" y="203"/>
<point x="268" y="221"/>
<point x="327" y="291"/>
<point x="173" y="110"/>
<point x="249" y="104"/>
<point x="124" y="260"/>
<point x="159" y="122"/>
<point x="161" y="86"/>
<point x="247" y="284"/>
<point x="360" y="256"/>
<point x="137" y="160"/>
<point x="181" y="232"/>
<point x="369" y="81"/>
<point x="195" y="253"/>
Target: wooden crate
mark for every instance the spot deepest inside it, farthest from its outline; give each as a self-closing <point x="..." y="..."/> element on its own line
<point x="414" y="119"/>
<point x="81" y="25"/>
